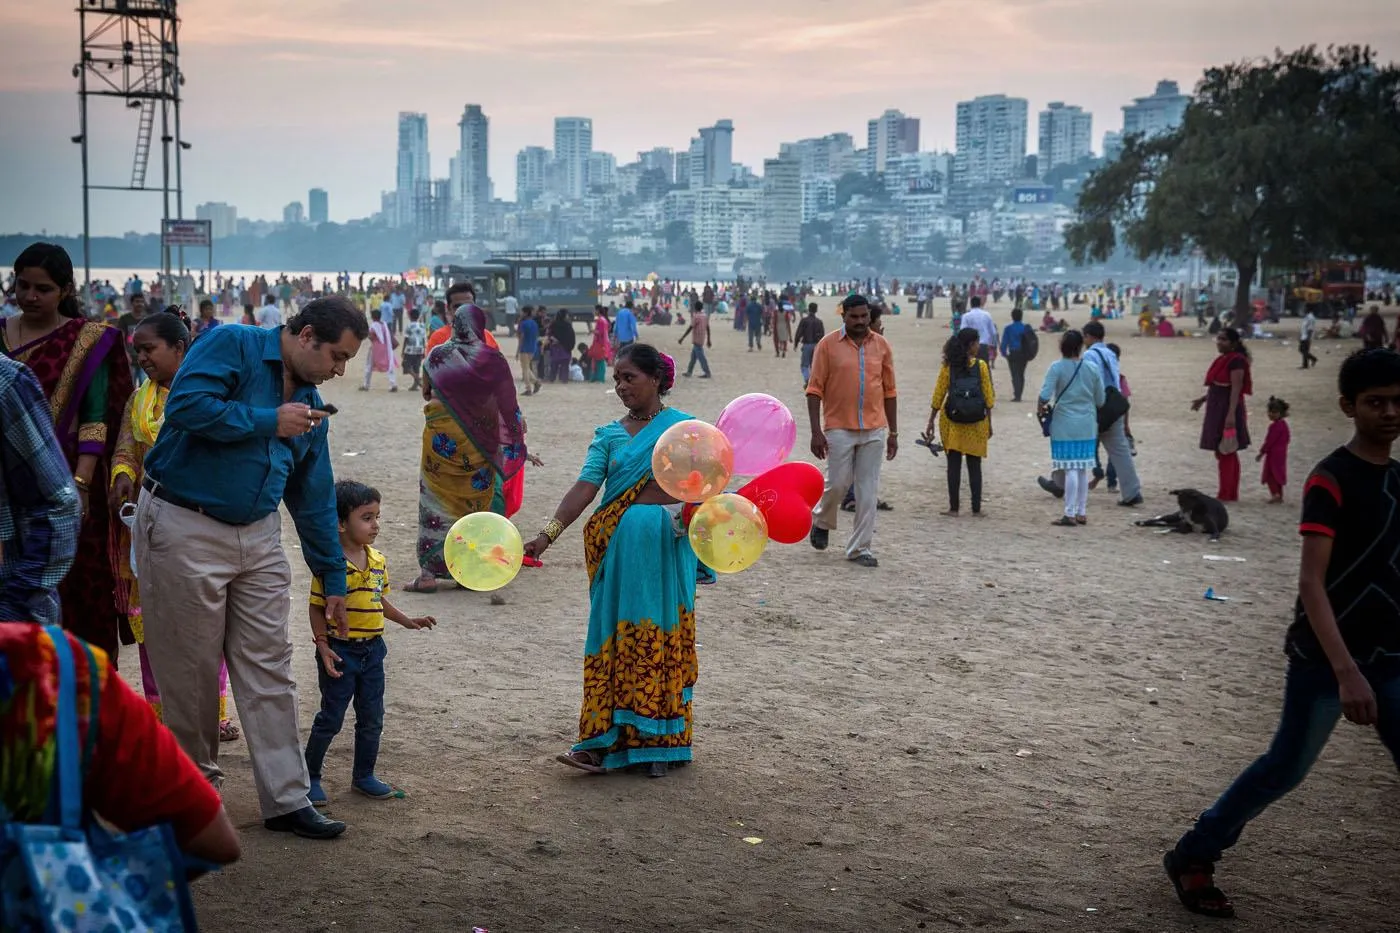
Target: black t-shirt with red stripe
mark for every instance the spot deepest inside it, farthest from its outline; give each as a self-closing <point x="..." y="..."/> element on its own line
<point x="1357" y="504"/>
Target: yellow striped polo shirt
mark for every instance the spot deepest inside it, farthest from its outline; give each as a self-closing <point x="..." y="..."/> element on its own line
<point x="364" y="595"/>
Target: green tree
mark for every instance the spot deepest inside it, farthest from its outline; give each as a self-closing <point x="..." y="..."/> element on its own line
<point x="680" y="245"/>
<point x="977" y="254"/>
<point x="854" y="183"/>
<point x="868" y="249"/>
<point x="783" y="265"/>
<point x="1276" y="161"/>
<point x="1016" y="251"/>
<point x="937" y="247"/>
<point x="816" y="239"/>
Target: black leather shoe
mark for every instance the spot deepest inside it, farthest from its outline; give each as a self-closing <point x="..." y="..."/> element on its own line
<point x="307" y="823"/>
<point x="1051" y="487"/>
<point x="819" y="538"/>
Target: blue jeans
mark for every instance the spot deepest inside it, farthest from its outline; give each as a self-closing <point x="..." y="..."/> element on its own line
<point x="808" y="350"/>
<point x="697" y="355"/>
<point x="1311" y="708"/>
<point x="361" y="681"/>
<point x="756" y="337"/>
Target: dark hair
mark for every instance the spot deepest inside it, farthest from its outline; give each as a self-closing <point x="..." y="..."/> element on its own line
<point x="812" y="308"/>
<point x="206" y="303"/>
<point x="1116" y="350"/>
<point x="599" y="309"/>
<point x="1368" y="369"/>
<point x="1071" y="343"/>
<point x="329" y="318"/>
<point x="650" y="361"/>
<point x="375" y="314"/>
<point x="1016" y="314"/>
<point x="582" y="347"/>
<point x="350" y="495"/>
<point x="854" y="301"/>
<point x="1278" y="405"/>
<point x="457" y="288"/>
<point x="54" y="260"/>
<point x="876" y="310"/>
<point x="977" y="301"/>
<point x="413" y="314"/>
<point x="1094" y="329"/>
<point x="1236" y="342"/>
<point x="955" y="350"/>
<point x="167" y="327"/>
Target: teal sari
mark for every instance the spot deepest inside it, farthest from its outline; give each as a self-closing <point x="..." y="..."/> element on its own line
<point x="640" y="664"/>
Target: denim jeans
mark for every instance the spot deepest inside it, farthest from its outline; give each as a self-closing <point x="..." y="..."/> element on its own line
<point x="1311" y="708"/>
<point x="808" y="351"/>
<point x="697" y="355"/>
<point x="361" y="681"/>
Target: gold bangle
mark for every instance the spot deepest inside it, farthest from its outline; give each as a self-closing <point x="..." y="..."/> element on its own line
<point x="553" y="529"/>
<point x="81" y="483"/>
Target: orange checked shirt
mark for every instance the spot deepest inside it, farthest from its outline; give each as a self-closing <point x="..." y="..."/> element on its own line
<point x="852" y="380"/>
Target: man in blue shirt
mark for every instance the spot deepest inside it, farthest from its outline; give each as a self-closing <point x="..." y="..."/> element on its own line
<point x="1115" y="437"/>
<point x="527" y="334"/>
<point x="753" y="314"/>
<point x="625" y="327"/>
<point x="245" y="430"/>
<point x="1014" y="350"/>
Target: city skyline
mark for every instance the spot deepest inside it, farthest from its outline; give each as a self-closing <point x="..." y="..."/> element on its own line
<point x="282" y="100"/>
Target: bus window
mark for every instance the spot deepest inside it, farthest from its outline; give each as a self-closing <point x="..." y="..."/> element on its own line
<point x="501" y="285"/>
<point x="584" y="273"/>
<point x="558" y="272"/>
<point x="524" y="272"/>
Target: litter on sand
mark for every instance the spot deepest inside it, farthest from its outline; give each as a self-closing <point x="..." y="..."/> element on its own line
<point x="1210" y="594"/>
<point x="752" y="840"/>
<point x="1220" y="557"/>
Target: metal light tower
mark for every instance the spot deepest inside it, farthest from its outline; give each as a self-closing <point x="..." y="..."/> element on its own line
<point x="130" y="51"/>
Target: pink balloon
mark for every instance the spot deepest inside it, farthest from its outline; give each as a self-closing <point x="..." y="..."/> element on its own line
<point x="761" y="431"/>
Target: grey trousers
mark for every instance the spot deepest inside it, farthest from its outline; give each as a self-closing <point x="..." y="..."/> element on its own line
<point x="1115" y="444"/>
<point x="852" y="457"/>
<point x="211" y="591"/>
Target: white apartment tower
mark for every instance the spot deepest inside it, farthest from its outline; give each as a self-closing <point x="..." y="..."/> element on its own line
<point x="473" y="187"/>
<point x="1160" y="113"/>
<point x="573" y="144"/>
<point x="1066" y="136"/>
<point x="782" y="204"/>
<point x="891" y="134"/>
<point x="712" y="156"/>
<point x="531" y="173"/>
<point x="412" y="164"/>
<point x="991" y="140"/>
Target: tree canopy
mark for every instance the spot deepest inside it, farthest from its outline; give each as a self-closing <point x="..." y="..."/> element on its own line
<point x="1280" y="160"/>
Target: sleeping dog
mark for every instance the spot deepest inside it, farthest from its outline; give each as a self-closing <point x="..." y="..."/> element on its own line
<point x="1198" y="511"/>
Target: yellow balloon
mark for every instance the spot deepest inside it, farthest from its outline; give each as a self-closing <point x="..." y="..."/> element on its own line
<point x="728" y="533"/>
<point x="692" y="461"/>
<point x="483" y="551"/>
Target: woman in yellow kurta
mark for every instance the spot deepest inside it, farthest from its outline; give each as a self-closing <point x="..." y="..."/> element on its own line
<point x="963" y="399"/>
<point x="160" y="343"/>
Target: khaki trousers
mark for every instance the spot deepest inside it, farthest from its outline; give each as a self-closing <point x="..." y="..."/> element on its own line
<point x="852" y="458"/>
<point x="210" y="590"/>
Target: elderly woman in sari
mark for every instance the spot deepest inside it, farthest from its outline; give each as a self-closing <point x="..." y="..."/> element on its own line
<point x="640" y="663"/>
<point x="473" y="441"/>
<point x="86" y="376"/>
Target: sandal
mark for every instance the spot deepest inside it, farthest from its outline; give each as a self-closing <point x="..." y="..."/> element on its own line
<point x="229" y="731"/>
<point x="583" y="760"/>
<point x="418" y="586"/>
<point x="1195" y="886"/>
<point x="1081" y="520"/>
<point x="1064" y="521"/>
<point x="883" y="506"/>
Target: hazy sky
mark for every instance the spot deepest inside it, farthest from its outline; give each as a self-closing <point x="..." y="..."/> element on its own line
<point x="285" y="96"/>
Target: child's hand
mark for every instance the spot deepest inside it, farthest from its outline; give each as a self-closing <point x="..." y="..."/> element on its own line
<point x="421" y="622"/>
<point x="329" y="659"/>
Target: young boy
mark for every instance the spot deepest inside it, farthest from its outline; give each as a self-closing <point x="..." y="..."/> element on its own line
<point x="352" y="659"/>
<point x="1343" y="647"/>
<point x="415" y="338"/>
<point x="527" y="333"/>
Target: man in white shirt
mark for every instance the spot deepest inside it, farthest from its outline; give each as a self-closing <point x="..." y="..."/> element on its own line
<point x="1305" y="338"/>
<point x="269" y="315"/>
<point x="980" y="321"/>
<point x="512" y="307"/>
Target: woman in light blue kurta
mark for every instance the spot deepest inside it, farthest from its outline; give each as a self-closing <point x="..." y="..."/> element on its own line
<point x="1073" y="393"/>
<point x="640" y="664"/>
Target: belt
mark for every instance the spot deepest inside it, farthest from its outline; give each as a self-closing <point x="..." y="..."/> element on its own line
<point x="156" y="489"/>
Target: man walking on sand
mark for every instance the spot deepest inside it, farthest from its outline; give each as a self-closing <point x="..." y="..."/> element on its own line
<point x="215" y="581"/>
<point x="851" y="401"/>
<point x="810" y="332"/>
<point x="1115" y="437"/>
<point x="699" y="333"/>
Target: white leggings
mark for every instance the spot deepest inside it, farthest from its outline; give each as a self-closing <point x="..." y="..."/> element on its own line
<point x="1076" y="492"/>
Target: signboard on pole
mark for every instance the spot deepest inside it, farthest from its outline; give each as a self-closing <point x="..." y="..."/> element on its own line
<point x="187" y="233"/>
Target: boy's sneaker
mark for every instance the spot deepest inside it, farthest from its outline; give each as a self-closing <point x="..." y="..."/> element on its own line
<point x="376" y="789"/>
<point x="317" y="796"/>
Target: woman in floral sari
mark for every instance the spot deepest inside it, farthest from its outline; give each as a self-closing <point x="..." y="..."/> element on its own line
<point x="473" y="439"/>
<point x="85" y="374"/>
<point x="160" y="342"/>
<point x="640" y="663"/>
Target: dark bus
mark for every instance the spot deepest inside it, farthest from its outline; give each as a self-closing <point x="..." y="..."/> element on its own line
<point x="551" y="279"/>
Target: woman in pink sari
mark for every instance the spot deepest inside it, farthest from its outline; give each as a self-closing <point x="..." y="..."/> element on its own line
<point x="600" y="352"/>
<point x="382" y="344"/>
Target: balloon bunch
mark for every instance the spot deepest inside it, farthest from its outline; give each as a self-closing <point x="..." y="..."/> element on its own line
<point x="694" y="461"/>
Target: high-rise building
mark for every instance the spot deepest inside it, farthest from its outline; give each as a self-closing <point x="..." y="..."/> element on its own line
<point x="782" y="204"/>
<point x="1160" y="113"/>
<point x="1112" y="145"/>
<point x="573" y="144"/>
<point x="662" y="159"/>
<point x="829" y="156"/>
<point x="294" y="213"/>
<point x="531" y="173"/>
<point x="991" y="140"/>
<point x="712" y="156"/>
<point x="602" y="170"/>
<point x="223" y="218"/>
<point x="412" y="164"/>
<point x="1066" y="136"/>
<point x="683" y="169"/>
<point x="318" y="205"/>
<point x="473" y="194"/>
<point x="891" y="134"/>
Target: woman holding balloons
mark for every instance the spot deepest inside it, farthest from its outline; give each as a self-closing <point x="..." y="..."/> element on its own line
<point x="640" y="664"/>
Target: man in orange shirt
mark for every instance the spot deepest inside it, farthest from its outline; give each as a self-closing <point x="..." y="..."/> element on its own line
<point x="851" y="400"/>
<point x="459" y="293"/>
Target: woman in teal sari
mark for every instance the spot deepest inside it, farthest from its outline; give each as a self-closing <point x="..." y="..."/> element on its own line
<point x="640" y="663"/>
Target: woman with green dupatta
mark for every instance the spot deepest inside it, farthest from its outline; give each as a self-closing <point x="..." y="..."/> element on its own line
<point x="640" y="664"/>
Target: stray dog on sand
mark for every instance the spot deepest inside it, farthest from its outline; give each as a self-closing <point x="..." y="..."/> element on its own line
<point x="1198" y="512"/>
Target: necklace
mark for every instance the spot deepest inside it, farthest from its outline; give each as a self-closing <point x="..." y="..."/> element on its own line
<point x="636" y="417"/>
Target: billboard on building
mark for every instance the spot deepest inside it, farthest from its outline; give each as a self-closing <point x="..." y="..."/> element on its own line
<point x="1033" y="194"/>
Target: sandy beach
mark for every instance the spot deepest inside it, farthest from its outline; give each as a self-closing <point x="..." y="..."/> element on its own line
<point x="1001" y="728"/>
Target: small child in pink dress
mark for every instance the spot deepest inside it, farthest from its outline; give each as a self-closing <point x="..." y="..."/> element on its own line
<point x="1274" y="452"/>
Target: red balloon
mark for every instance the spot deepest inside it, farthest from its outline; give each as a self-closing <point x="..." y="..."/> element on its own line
<point x="803" y="479"/>
<point x="789" y="519"/>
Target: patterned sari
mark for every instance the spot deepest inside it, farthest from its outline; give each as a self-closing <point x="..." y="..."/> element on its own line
<point x="640" y="664"/>
<point x="85" y="374"/>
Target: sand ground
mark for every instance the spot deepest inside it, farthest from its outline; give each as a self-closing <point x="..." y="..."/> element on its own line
<point x="1001" y="728"/>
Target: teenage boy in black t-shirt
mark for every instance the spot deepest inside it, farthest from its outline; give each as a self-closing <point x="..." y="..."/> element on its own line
<point x="1343" y="647"/>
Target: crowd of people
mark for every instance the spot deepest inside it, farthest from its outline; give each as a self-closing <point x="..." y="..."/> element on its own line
<point x="108" y="527"/>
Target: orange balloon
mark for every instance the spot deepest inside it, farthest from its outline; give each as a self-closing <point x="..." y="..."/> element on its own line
<point x="692" y="461"/>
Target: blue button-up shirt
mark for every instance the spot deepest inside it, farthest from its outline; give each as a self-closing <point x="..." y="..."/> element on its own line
<point x="219" y="448"/>
<point x="1100" y="355"/>
<point x="625" y="328"/>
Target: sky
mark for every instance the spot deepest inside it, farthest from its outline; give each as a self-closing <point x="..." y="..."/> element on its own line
<point x="281" y="97"/>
